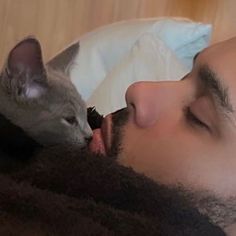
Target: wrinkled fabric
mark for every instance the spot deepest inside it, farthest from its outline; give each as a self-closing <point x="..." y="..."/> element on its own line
<point x="66" y="191"/>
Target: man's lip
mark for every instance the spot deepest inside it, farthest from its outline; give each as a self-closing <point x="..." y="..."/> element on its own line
<point x="101" y="141"/>
<point x="106" y="131"/>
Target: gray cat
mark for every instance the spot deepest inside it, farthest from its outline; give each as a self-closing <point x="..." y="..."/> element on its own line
<point x="41" y="99"/>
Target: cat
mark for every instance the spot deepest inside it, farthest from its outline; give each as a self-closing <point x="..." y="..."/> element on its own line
<point x="41" y="99"/>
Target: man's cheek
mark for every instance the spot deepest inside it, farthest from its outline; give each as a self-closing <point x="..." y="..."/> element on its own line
<point x="156" y="158"/>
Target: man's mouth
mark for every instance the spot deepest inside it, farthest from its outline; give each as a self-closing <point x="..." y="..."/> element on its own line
<point x="101" y="141"/>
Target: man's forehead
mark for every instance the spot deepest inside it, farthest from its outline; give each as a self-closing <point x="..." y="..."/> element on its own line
<point x="221" y="57"/>
<point x="220" y="61"/>
<point x="225" y="47"/>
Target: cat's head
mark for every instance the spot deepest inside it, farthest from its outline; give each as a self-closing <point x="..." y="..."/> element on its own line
<point x="41" y="100"/>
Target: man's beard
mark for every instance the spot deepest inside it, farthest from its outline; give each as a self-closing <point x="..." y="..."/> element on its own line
<point x="119" y="119"/>
<point x="222" y="212"/>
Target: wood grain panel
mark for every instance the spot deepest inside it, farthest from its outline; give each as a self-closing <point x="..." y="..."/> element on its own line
<point x="58" y="22"/>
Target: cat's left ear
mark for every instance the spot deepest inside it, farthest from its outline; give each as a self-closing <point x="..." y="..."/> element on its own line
<point x="25" y="70"/>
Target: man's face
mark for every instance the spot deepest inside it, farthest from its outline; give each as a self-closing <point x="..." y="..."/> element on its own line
<point x="183" y="132"/>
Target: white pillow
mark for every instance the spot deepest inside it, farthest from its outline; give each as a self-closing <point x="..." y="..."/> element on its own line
<point x="103" y="48"/>
<point x="149" y="59"/>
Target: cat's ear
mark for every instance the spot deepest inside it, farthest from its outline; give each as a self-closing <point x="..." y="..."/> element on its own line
<point x="64" y="59"/>
<point x="24" y="70"/>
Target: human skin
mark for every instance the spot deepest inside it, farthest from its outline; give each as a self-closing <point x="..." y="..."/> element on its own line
<point x="162" y="143"/>
<point x="182" y="132"/>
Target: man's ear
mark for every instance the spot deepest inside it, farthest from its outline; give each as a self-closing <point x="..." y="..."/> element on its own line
<point x="24" y="74"/>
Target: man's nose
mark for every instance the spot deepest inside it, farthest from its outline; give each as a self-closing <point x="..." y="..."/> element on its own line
<point x="149" y="100"/>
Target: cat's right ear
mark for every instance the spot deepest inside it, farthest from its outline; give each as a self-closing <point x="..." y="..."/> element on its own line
<point x="24" y="73"/>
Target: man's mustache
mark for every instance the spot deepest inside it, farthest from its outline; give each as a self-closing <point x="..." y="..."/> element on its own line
<point x="94" y="118"/>
<point x="120" y="117"/>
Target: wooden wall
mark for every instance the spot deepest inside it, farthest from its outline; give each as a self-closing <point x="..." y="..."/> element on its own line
<point x="58" y="22"/>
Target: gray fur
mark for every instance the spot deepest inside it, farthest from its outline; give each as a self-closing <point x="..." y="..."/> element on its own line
<point x="63" y="60"/>
<point x="41" y="99"/>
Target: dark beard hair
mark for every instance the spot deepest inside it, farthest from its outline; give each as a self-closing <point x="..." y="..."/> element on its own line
<point x="119" y="119"/>
<point x="94" y="118"/>
<point x="221" y="212"/>
<point x="53" y="168"/>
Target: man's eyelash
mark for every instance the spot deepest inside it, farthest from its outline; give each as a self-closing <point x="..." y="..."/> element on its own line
<point x="190" y="117"/>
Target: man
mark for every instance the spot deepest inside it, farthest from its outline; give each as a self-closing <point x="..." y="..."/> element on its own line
<point x="180" y="134"/>
<point x="183" y="133"/>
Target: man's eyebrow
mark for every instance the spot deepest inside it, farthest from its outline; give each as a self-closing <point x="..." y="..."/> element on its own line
<point x="215" y="87"/>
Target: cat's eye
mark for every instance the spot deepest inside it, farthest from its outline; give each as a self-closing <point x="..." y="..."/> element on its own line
<point x="71" y="120"/>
